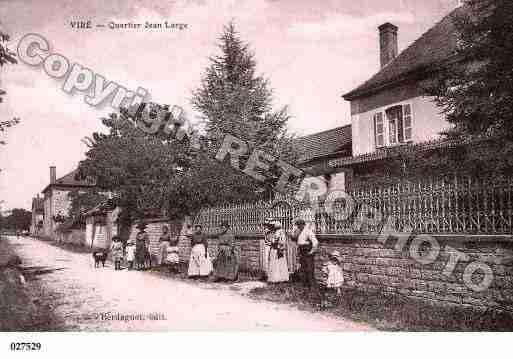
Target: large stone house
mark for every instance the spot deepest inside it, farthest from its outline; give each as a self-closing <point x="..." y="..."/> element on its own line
<point x="390" y="110"/>
<point x="38" y="212"/>
<point x="56" y="200"/>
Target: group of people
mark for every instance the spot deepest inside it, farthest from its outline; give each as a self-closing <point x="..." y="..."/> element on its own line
<point x="137" y="254"/>
<point x="225" y="265"/>
<point x="274" y="259"/>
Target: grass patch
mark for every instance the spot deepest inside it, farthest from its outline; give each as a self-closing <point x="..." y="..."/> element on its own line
<point x="390" y="312"/>
<point x="20" y="307"/>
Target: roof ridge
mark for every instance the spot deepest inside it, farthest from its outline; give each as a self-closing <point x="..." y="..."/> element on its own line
<point x="67" y="174"/>
<point x="400" y="62"/>
<point x="424" y="34"/>
<point x="324" y="131"/>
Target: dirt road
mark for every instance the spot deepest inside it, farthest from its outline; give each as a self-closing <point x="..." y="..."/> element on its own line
<point x="85" y="298"/>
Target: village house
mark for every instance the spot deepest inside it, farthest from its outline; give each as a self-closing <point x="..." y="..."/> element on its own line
<point x="101" y="224"/>
<point x="56" y="200"/>
<point x="36" y="224"/>
<point x="390" y="110"/>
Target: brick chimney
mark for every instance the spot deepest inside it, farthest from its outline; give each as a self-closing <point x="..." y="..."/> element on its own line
<point x="387" y="43"/>
<point x="53" y="175"/>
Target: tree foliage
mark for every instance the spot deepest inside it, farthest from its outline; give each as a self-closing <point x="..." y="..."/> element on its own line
<point x="82" y="200"/>
<point x="144" y="171"/>
<point x="475" y="92"/>
<point x="148" y="171"/>
<point x="235" y="100"/>
<point x="19" y="219"/>
<point x="7" y="56"/>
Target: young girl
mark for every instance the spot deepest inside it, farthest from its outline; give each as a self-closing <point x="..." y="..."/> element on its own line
<point x="130" y="254"/>
<point x="117" y="252"/>
<point x="332" y="279"/>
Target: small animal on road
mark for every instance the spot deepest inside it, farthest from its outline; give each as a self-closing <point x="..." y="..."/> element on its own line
<point x="99" y="257"/>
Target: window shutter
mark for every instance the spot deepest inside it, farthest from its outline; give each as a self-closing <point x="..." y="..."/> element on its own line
<point x="379" y="130"/>
<point x="407" y="123"/>
<point x="392" y="131"/>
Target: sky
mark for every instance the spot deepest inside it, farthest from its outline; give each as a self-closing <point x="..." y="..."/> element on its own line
<point x="312" y="52"/>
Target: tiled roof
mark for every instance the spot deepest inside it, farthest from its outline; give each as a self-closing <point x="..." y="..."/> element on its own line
<point x="391" y="152"/>
<point x="101" y="208"/>
<point x="71" y="180"/>
<point x="435" y="46"/>
<point x="323" y="143"/>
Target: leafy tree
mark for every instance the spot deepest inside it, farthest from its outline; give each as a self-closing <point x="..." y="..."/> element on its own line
<point x="82" y="200"/>
<point x="19" y="219"/>
<point x="143" y="170"/>
<point x="234" y="100"/>
<point x="476" y="91"/>
<point x="6" y="57"/>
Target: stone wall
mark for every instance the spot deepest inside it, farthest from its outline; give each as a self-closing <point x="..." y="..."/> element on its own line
<point x="372" y="266"/>
<point x="408" y="270"/>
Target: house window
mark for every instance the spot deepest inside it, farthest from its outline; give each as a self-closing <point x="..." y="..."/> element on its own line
<point x="379" y="129"/>
<point x="393" y="126"/>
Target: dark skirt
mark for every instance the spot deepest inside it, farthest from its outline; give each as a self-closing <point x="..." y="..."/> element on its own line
<point x="226" y="264"/>
<point x="140" y="252"/>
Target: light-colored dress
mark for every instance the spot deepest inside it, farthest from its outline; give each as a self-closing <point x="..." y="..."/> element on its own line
<point x="117" y="251"/>
<point x="172" y="256"/>
<point x="278" y="270"/>
<point x="333" y="275"/>
<point x="130" y="251"/>
<point x="199" y="263"/>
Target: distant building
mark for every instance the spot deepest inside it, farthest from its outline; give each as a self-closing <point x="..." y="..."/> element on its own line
<point x="38" y="213"/>
<point x="101" y="224"/>
<point x="56" y="200"/>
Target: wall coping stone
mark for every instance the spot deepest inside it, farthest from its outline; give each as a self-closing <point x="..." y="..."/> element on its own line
<point x="361" y="236"/>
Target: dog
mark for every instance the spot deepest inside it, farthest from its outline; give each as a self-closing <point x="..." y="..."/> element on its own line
<point x="99" y="257"/>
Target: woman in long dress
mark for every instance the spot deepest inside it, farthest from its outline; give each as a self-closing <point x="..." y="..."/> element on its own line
<point x="266" y="246"/>
<point x="169" y="250"/>
<point x="226" y="264"/>
<point x="199" y="263"/>
<point x="278" y="271"/>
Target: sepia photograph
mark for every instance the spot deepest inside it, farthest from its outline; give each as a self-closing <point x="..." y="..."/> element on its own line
<point x="255" y="166"/>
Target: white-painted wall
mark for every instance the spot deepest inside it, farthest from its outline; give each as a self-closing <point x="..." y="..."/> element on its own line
<point x="428" y="122"/>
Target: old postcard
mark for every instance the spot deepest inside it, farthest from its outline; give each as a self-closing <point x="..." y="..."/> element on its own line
<point x="255" y="165"/>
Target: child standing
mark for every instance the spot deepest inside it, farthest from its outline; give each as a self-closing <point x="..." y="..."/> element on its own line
<point x="117" y="252"/>
<point x="130" y="254"/>
<point x="332" y="279"/>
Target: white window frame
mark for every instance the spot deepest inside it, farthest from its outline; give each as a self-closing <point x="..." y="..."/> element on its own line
<point x="380" y="117"/>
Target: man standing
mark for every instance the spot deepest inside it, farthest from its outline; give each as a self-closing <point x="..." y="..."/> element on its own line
<point x="307" y="247"/>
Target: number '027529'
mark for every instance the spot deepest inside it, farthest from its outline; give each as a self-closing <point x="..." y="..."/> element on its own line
<point x="25" y="346"/>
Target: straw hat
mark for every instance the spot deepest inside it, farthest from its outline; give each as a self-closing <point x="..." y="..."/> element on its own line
<point x="268" y="222"/>
<point x="299" y="221"/>
<point x="141" y="226"/>
<point x="276" y="224"/>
